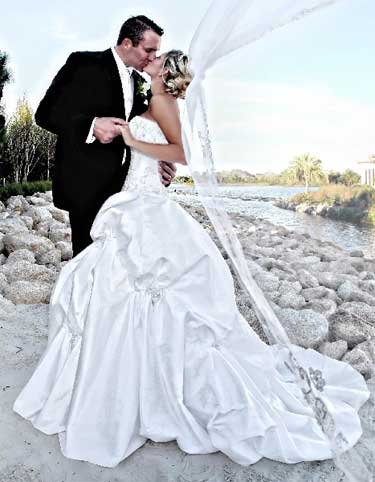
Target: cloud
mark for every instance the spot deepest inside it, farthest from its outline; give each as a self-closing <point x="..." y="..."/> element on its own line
<point x="263" y="126"/>
<point x="60" y="29"/>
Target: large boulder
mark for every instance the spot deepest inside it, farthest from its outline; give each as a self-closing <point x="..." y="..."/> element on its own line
<point x="65" y="249"/>
<point x="12" y="224"/>
<point x="336" y="349"/>
<point x="28" y="292"/>
<point x="348" y="292"/>
<point x="23" y="270"/>
<point x="61" y="234"/>
<point x="17" y="204"/>
<point x="353" y="322"/>
<point x="32" y="242"/>
<point x="306" y="328"/>
<point x="362" y="358"/>
<point x="21" y="255"/>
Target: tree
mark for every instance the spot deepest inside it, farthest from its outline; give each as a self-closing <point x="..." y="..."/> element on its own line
<point x="307" y="169"/>
<point x="25" y="142"/>
<point x="334" y="177"/>
<point x="5" y="77"/>
<point x="350" y="177"/>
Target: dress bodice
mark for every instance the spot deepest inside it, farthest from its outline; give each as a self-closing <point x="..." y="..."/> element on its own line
<point x="143" y="174"/>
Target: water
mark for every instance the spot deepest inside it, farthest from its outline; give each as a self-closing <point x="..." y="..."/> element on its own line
<point x="258" y="201"/>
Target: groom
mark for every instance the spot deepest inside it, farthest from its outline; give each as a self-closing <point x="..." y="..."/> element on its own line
<point x="90" y="97"/>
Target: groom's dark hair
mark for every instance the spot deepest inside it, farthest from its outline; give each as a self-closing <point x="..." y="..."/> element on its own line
<point x="134" y="27"/>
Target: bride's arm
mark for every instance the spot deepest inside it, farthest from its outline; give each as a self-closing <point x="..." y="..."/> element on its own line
<point x="164" y="109"/>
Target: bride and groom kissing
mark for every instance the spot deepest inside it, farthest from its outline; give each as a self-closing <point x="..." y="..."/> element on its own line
<point x="88" y="101"/>
<point x="145" y="337"/>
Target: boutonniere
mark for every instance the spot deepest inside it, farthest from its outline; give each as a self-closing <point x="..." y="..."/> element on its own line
<point x="142" y="89"/>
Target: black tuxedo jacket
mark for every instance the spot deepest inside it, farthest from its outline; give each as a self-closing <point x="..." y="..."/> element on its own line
<point x="87" y="86"/>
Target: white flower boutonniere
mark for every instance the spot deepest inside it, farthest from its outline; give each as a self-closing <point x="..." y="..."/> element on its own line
<point x="143" y="89"/>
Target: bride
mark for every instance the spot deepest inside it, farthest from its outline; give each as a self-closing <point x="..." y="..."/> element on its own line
<point x="146" y="341"/>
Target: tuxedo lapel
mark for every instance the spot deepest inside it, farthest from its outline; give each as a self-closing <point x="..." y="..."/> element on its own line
<point x="139" y="107"/>
<point x="110" y="66"/>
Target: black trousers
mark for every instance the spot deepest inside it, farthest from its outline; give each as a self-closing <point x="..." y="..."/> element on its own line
<point x="81" y="225"/>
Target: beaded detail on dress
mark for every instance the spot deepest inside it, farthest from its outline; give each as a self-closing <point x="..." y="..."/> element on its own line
<point x="143" y="174"/>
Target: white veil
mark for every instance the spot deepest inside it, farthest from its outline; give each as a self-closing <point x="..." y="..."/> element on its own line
<point x="227" y="26"/>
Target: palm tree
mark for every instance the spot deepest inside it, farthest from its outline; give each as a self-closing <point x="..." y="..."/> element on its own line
<point x="307" y="169"/>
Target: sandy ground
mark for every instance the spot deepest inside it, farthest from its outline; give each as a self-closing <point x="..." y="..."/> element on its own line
<point x="27" y="455"/>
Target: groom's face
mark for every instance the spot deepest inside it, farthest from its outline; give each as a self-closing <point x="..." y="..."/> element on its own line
<point x="145" y="52"/>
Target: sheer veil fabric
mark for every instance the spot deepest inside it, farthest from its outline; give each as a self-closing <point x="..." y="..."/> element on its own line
<point x="227" y="26"/>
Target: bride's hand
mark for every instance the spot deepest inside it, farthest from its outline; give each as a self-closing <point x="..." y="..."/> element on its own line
<point x="126" y="134"/>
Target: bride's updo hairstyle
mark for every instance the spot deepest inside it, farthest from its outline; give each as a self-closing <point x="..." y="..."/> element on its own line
<point x="177" y="75"/>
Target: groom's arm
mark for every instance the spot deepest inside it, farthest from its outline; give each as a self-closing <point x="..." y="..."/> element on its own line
<point x="66" y="105"/>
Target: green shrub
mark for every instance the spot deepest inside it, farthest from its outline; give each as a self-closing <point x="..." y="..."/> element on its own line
<point x="24" y="189"/>
<point x="337" y="194"/>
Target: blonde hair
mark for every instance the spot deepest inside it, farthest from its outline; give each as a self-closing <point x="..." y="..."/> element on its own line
<point x="177" y="75"/>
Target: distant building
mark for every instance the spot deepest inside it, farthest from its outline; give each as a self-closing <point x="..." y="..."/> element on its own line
<point x="367" y="171"/>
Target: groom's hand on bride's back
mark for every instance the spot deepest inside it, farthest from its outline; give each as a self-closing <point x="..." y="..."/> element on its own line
<point x="106" y="128"/>
<point x="167" y="172"/>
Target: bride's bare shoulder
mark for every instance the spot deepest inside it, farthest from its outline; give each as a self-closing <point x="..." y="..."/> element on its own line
<point x="164" y="109"/>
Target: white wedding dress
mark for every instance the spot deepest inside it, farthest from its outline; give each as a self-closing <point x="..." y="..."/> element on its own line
<point x="146" y="342"/>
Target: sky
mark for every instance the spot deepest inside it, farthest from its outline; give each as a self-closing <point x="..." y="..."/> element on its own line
<point x="308" y="87"/>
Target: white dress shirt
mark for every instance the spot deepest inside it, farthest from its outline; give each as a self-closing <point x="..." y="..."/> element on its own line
<point x="127" y="84"/>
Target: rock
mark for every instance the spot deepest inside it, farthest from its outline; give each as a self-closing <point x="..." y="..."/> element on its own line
<point x="17" y="204"/>
<point x="330" y="280"/>
<point x="12" y="224"/>
<point x="60" y="235"/>
<point x="357" y="253"/>
<point x="53" y="257"/>
<point x="332" y="295"/>
<point x="67" y="253"/>
<point x="287" y="287"/>
<point x="305" y="328"/>
<point x="3" y="259"/>
<point x="59" y="215"/>
<point x="39" y="214"/>
<point x="314" y="293"/>
<point x="306" y="279"/>
<point x="348" y="292"/>
<point x="335" y="350"/>
<point x="32" y="242"/>
<point x="342" y="266"/>
<point x="368" y="286"/>
<point x="37" y="200"/>
<point x="323" y="305"/>
<point x="43" y="228"/>
<point x="2" y="207"/>
<point x="322" y="209"/>
<point x="362" y="358"/>
<point x="27" y="221"/>
<point x="23" y="270"/>
<point x="353" y="322"/>
<point x="267" y="281"/>
<point x="357" y="263"/>
<point x="28" y="292"/>
<point x="6" y="306"/>
<point x="291" y="300"/>
<point x="3" y="282"/>
<point x="21" y="255"/>
<point x="365" y="275"/>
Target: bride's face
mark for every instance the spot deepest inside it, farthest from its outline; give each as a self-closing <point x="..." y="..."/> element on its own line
<point x="155" y="68"/>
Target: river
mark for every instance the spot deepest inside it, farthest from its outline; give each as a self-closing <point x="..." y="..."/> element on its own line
<point x="258" y="201"/>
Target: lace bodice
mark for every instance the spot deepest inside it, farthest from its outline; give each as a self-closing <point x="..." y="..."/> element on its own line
<point x="143" y="174"/>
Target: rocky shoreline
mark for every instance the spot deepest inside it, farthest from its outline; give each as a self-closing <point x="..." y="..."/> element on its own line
<point x="323" y="295"/>
<point x="336" y="211"/>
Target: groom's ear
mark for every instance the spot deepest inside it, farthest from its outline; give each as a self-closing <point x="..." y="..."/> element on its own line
<point x="127" y="43"/>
